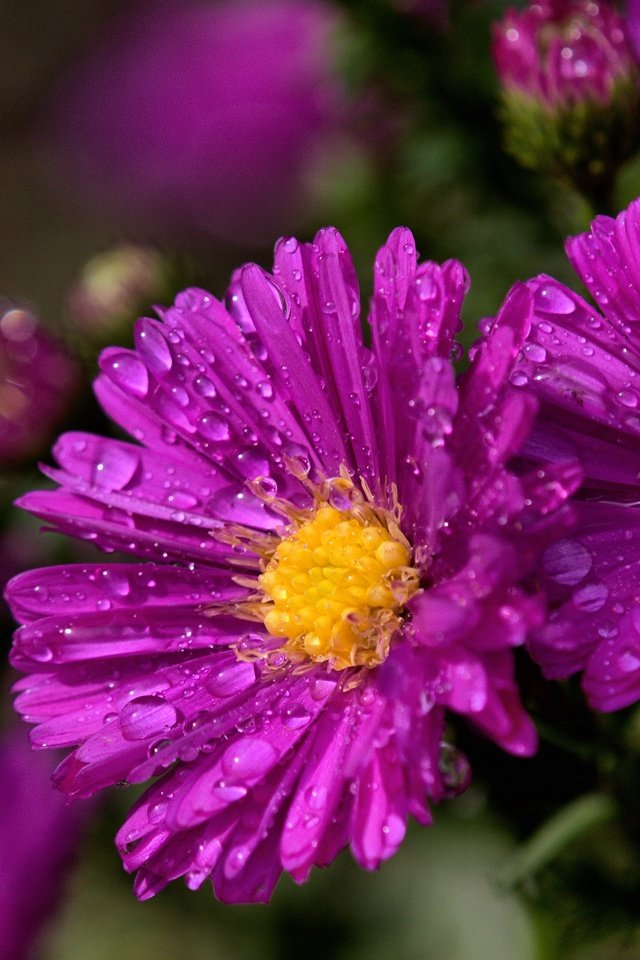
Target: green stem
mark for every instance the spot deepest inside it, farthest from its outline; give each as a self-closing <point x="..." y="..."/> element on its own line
<point x="554" y="835"/>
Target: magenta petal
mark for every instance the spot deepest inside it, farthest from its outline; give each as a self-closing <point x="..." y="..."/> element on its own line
<point x="380" y="812"/>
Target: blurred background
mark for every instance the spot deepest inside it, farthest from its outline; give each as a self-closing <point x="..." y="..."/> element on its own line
<point x="149" y="145"/>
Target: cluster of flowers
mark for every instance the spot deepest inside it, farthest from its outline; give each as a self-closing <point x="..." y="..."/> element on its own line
<point x="332" y="546"/>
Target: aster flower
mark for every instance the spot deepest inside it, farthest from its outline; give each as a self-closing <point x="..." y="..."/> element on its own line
<point x="583" y="363"/>
<point x="336" y="553"/>
<point x="36" y="383"/>
<point x="200" y="118"/>
<point x="39" y="833"/>
<point x="632" y="18"/>
<point x="569" y="87"/>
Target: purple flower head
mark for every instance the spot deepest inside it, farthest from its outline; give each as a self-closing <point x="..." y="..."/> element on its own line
<point x="561" y="52"/>
<point x="39" y="832"/>
<point x="199" y="116"/>
<point x="36" y="383"/>
<point x="584" y="365"/>
<point x="328" y="552"/>
<point x="570" y="95"/>
<point x="632" y="19"/>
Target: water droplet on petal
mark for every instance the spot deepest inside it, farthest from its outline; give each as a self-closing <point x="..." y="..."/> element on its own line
<point x="129" y="373"/>
<point x="591" y="597"/>
<point x="146" y="717"/>
<point x="204" y="387"/>
<point x="455" y="770"/>
<point x="518" y="378"/>
<point x="316" y="797"/>
<point x="628" y="660"/>
<point x="252" y="463"/>
<point x="231" y="680"/>
<point x="394" y="829"/>
<point x="213" y="427"/>
<point x="296" y="717"/>
<point x="567" y="562"/>
<point x="248" y="759"/>
<point x="227" y="792"/>
<point x="534" y="352"/>
<point x="115" y="468"/>
<point x="157" y="812"/>
<point x="322" y="687"/>
<point x="265" y="389"/>
<point x="628" y="398"/>
<point x="154" y="349"/>
<point x="551" y="298"/>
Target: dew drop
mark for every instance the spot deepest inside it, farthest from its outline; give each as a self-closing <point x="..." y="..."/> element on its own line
<point x="265" y="389"/>
<point x="129" y="373"/>
<point x="266" y="486"/>
<point x="252" y="463"/>
<point x="146" y="717"/>
<point x="231" y="680"/>
<point x="247" y="759"/>
<point x="296" y="717"/>
<point x="321" y="688"/>
<point x="591" y="597"/>
<point x="316" y="797"/>
<point x="115" y="468"/>
<point x="518" y="378"/>
<point x="394" y="829"/>
<point x="204" y="387"/>
<point x="213" y="427"/>
<point x="628" y="398"/>
<point x="552" y="299"/>
<point x="157" y="812"/>
<point x="455" y="770"/>
<point x="567" y="562"/>
<point x="228" y="792"/>
<point x="534" y="352"/>
<point x="628" y="660"/>
<point x="154" y="349"/>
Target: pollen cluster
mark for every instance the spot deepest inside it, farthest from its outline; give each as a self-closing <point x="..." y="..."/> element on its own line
<point x="337" y="585"/>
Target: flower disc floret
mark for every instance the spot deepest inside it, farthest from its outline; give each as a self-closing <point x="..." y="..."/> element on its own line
<point x="336" y="586"/>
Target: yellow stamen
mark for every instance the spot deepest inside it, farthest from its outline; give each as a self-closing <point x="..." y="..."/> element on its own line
<point x="335" y="586"/>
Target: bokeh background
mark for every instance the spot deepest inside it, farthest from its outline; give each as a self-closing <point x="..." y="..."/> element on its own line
<point x="148" y="145"/>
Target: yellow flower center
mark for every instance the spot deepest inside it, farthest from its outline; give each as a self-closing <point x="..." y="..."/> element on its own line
<point x="337" y="586"/>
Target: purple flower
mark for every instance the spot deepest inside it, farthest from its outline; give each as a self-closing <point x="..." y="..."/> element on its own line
<point x="561" y="52"/>
<point x="38" y="838"/>
<point x="570" y="98"/>
<point x="633" y="26"/>
<point x="332" y="552"/>
<point x="584" y="366"/>
<point x="36" y="383"/>
<point x="202" y="116"/>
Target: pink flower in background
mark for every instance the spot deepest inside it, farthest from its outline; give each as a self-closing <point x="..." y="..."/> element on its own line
<point x="584" y="365"/>
<point x="632" y="19"/>
<point x="37" y="380"/>
<point x="204" y="117"/>
<point x="330" y="552"/>
<point x="39" y="832"/>
<point x="560" y="52"/>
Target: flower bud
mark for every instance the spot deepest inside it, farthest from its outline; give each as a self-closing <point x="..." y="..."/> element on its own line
<point x="36" y="384"/>
<point x="570" y="90"/>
